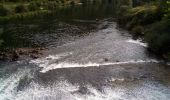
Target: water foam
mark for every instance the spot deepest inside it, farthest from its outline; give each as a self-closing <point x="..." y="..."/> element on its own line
<point x="57" y="91"/>
<point x="168" y="63"/>
<point x="42" y="62"/>
<point x="107" y="94"/>
<point x="8" y="86"/>
<point x="63" y="90"/>
<point x="90" y="64"/>
<point x="137" y="42"/>
<point x="47" y="63"/>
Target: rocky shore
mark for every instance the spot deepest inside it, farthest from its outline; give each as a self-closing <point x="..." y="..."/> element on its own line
<point x="20" y="53"/>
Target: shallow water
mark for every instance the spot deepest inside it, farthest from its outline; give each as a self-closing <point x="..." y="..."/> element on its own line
<point x="106" y="64"/>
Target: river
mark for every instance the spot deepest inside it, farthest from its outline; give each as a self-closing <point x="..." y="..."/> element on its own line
<point x="103" y="63"/>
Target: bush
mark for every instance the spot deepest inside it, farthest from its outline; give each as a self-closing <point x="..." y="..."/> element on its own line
<point x="21" y="8"/>
<point x="167" y="56"/>
<point x="138" y="30"/>
<point x="158" y="37"/>
<point x="52" y="5"/>
<point x="167" y="9"/>
<point x="146" y="14"/>
<point x="33" y="6"/>
<point x="4" y="11"/>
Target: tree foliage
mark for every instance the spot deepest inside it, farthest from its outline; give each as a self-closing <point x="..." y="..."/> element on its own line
<point x="159" y="35"/>
<point x="167" y="9"/>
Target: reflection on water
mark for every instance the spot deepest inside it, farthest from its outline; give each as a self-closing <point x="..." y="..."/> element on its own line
<point x="31" y="32"/>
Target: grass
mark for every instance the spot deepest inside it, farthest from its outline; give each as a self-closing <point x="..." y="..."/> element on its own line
<point x="26" y="15"/>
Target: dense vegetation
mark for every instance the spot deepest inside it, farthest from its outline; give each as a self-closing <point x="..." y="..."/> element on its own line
<point x="12" y="7"/>
<point x="150" y="19"/>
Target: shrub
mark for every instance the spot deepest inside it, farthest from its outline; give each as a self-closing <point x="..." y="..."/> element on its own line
<point x="52" y="5"/>
<point x="33" y="7"/>
<point x="158" y="37"/>
<point x="21" y="8"/>
<point x="72" y="3"/>
<point x="167" y="9"/>
<point x="138" y="29"/>
<point x="146" y="14"/>
<point x="4" y="11"/>
<point x="168" y="56"/>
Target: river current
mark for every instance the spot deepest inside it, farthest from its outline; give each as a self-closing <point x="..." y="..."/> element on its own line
<point x="107" y="64"/>
<point x="88" y="58"/>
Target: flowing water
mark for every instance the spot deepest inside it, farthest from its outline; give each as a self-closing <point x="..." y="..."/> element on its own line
<point x="103" y="63"/>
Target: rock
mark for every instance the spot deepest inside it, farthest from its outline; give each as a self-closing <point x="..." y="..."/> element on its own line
<point x="97" y="19"/>
<point x="2" y="57"/>
<point x="34" y="56"/>
<point x="83" y="90"/>
<point x="15" y="56"/>
<point x="143" y="76"/>
<point x="21" y="52"/>
<point x="106" y="59"/>
<point x="41" y="48"/>
<point x="34" y="51"/>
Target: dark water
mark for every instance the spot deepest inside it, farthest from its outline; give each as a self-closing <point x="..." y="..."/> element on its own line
<point x="89" y="58"/>
<point x="64" y="22"/>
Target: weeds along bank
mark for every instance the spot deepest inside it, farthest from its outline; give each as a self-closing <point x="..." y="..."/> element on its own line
<point x="13" y="8"/>
<point x="151" y="20"/>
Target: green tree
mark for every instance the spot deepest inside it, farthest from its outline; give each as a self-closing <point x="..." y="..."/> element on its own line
<point x="167" y="9"/>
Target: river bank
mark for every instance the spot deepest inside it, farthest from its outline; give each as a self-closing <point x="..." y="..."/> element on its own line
<point x="148" y="21"/>
<point x="21" y="53"/>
